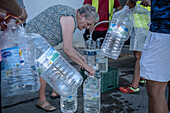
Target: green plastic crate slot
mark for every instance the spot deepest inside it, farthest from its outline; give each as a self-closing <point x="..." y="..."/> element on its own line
<point x="109" y="80"/>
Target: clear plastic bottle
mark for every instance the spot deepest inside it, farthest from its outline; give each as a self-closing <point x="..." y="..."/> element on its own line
<point x="141" y="19"/>
<point x="17" y="72"/>
<point x="90" y="52"/>
<point x="90" y="56"/>
<point x="54" y="69"/>
<point x="91" y="93"/>
<point x="69" y="104"/>
<point x="101" y="60"/>
<point x="119" y="31"/>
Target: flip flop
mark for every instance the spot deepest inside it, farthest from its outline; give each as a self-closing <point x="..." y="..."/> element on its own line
<point x="45" y="108"/>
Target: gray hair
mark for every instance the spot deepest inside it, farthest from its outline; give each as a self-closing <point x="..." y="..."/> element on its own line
<point x="90" y="12"/>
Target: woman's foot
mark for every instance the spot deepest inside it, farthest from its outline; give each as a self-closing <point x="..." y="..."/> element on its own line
<point x="45" y="105"/>
<point x="54" y="95"/>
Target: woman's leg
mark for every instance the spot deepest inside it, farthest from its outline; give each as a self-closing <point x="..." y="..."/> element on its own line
<point x="156" y="96"/>
<point x="42" y="96"/>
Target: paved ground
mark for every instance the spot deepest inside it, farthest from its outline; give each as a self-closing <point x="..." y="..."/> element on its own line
<point x="112" y="101"/>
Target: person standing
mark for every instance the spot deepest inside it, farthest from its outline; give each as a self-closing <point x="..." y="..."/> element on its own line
<point x="57" y="24"/>
<point x="136" y="45"/>
<point x="155" y="60"/>
<point x="105" y="10"/>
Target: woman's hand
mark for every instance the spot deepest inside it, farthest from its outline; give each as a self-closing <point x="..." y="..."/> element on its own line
<point x="3" y="26"/>
<point x="90" y="70"/>
<point x="81" y="57"/>
<point x="22" y="17"/>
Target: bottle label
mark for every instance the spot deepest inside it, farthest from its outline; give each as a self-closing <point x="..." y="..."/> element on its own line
<point x="89" y="52"/>
<point x="48" y="58"/>
<point x="120" y="30"/>
<point x="90" y="96"/>
<point x="10" y="58"/>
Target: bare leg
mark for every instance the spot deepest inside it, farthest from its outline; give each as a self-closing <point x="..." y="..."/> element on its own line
<point x="42" y="96"/>
<point x="136" y="76"/>
<point x="156" y="97"/>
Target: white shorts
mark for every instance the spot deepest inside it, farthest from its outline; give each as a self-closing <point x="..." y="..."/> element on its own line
<point x="155" y="60"/>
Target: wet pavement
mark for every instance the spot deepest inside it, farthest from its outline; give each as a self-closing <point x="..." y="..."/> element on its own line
<point x="112" y="101"/>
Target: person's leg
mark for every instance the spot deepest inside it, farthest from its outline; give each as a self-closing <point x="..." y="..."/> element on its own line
<point x="42" y="102"/>
<point x="42" y="95"/>
<point x="156" y="96"/>
<point x="133" y="88"/>
<point x="136" y="76"/>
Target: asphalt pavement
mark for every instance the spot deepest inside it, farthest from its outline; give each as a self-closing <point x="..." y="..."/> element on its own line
<point x="112" y="101"/>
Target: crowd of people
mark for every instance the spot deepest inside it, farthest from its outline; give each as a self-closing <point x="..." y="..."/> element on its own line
<point x="152" y="61"/>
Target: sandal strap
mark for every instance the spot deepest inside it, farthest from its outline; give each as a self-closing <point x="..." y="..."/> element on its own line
<point x="40" y="103"/>
<point x="47" y="107"/>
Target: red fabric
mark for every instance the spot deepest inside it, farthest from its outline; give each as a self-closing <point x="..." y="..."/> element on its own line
<point x="103" y="12"/>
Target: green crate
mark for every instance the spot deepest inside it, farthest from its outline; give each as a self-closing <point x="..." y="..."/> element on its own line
<point x="109" y="80"/>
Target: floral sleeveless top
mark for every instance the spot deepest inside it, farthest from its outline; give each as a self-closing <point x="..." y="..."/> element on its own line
<point x="47" y="23"/>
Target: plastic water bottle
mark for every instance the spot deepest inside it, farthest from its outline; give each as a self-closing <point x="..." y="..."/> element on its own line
<point x="54" y="69"/>
<point x="18" y="75"/>
<point x="91" y="93"/>
<point x="141" y="19"/>
<point x="118" y="32"/>
<point x="69" y="104"/>
<point x="90" y="52"/>
<point x="90" y="56"/>
<point x="101" y="60"/>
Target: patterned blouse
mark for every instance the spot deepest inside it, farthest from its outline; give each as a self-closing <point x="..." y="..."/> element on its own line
<point x="47" y="23"/>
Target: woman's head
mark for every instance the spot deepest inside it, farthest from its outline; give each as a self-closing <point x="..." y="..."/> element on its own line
<point x="87" y="16"/>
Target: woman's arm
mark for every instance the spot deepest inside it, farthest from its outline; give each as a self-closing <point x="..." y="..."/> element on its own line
<point x="68" y="25"/>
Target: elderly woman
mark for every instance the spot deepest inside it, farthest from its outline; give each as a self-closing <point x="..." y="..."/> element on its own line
<point x="57" y="24"/>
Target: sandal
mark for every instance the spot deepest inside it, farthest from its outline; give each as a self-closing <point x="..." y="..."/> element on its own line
<point x="45" y="108"/>
<point x="54" y="95"/>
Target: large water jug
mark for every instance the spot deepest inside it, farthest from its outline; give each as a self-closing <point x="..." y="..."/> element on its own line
<point x="119" y="31"/>
<point x="54" y="69"/>
<point x="69" y="104"/>
<point x="141" y="17"/>
<point x="18" y="75"/>
<point x="91" y="94"/>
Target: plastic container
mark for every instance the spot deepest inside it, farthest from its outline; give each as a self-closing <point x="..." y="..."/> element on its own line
<point x="141" y="19"/>
<point x="90" y="56"/>
<point x="109" y="80"/>
<point x="90" y="52"/>
<point x="101" y="60"/>
<point x="119" y="31"/>
<point x="54" y="69"/>
<point x="18" y="75"/>
<point x="91" y="94"/>
<point x="69" y="104"/>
